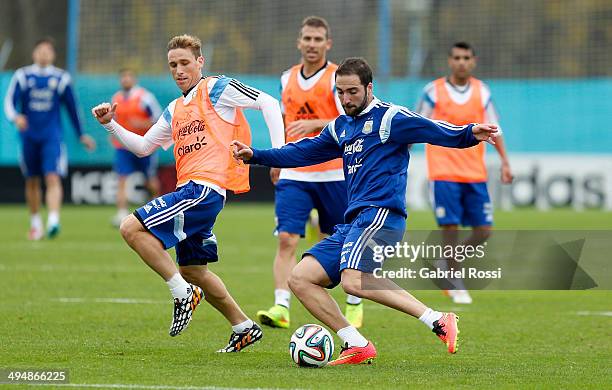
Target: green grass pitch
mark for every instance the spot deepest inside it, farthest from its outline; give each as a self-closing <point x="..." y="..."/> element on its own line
<point x="60" y="308"/>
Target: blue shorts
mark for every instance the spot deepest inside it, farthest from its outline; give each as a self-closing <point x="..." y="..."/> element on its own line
<point x="127" y="163"/>
<point x="185" y="218"/>
<point x="40" y="158"/>
<point x="351" y="245"/>
<point x="295" y="199"/>
<point x="466" y="204"/>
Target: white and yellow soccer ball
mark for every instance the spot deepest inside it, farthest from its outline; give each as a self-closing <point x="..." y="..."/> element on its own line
<point x="311" y="345"/>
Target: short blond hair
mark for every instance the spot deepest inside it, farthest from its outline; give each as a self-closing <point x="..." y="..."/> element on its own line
<point x="185" y="41"/>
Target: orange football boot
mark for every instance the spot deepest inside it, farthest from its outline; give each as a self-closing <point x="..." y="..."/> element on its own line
<point x="446" y="329"/>
<point x="355" y="355"/>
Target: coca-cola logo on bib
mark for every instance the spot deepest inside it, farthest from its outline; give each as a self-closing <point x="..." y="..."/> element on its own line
<point x="191" y="128"/>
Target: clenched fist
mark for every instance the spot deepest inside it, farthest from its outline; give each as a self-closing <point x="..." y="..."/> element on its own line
<point x="104" y="112"/>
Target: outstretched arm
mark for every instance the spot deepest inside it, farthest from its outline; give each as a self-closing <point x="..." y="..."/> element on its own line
<point x="404" y="126"/>
<point x="307" y="151"/>
<point x="160" y="134"/>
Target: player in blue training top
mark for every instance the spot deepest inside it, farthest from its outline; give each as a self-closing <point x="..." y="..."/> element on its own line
<point x="33" y="102"/>
<point x="372" y="140"/>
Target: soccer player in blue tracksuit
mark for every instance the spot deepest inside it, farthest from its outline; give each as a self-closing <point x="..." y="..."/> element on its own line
<point x="33" y="102"/>
<point x="372" y="139"/>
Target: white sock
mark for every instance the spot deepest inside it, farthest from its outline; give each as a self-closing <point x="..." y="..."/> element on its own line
<point x="243" y="326"/>
<point x="36" y="221"/>
<point x="282" y="297"/>
<point x="352" y="300"/>
<point x="429" y="317"/>
<point x="352" y="337"/>
<point x="52" y="218"/>
<point x="178" y="286"/>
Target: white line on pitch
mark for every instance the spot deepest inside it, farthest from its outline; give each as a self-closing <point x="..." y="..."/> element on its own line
<point x="111" y="300"/>
<point x="69" y="268"/>
<point x="595" y="313"/>
<point x="147" y="387"/>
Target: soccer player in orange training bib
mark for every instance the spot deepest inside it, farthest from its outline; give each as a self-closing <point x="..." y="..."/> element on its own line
<point x="309" y="102"/>
<point x="137" y="110"/>
<point x="201" y="124"/>
<point x="458" y="177"/>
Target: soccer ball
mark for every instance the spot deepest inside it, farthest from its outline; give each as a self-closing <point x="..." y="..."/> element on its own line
<point x="311" y="345"/>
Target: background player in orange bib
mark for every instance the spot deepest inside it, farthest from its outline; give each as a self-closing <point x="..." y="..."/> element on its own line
<point x="458" y="177"/>
<point x="309" y="102"/>
<point x="137" y="110"/>
<point x="201" y="124"/>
